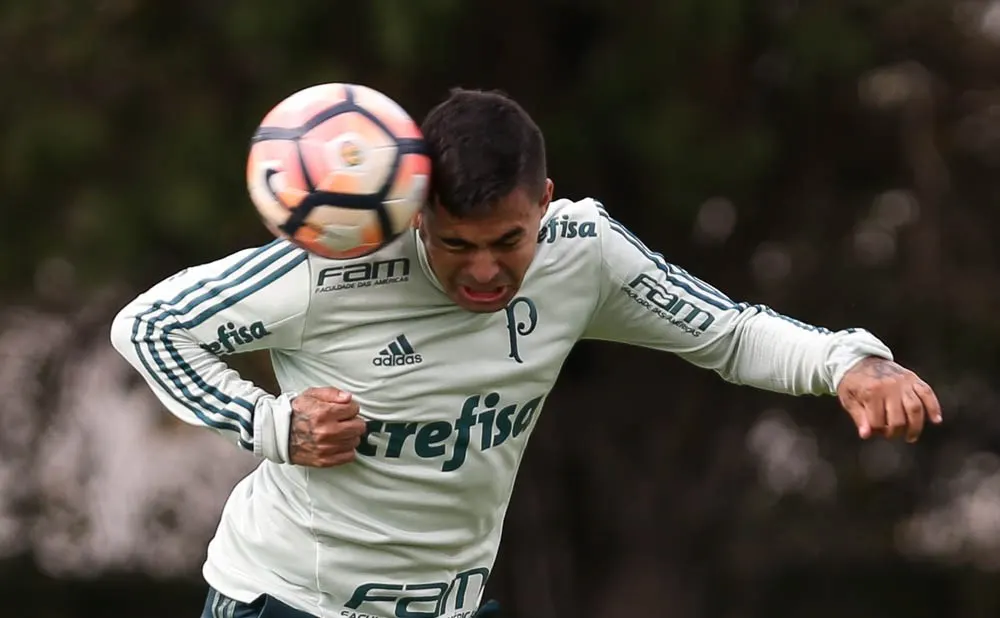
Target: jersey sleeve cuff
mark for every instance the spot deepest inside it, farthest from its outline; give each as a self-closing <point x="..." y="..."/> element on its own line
<point x="850" y="350"/>
<point x="271" y="427"/>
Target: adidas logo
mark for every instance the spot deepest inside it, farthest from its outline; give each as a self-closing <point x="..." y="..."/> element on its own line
<point x="399" y="352"/>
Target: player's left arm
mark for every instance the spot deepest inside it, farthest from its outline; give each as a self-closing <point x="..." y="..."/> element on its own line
<point x="647" y="301"/>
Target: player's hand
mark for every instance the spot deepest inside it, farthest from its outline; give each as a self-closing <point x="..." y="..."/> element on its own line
<point x="887" y="399"/>
<point x="325" y="428"/>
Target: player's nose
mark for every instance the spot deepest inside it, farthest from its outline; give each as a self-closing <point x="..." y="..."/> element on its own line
<point x="483" y="268"/>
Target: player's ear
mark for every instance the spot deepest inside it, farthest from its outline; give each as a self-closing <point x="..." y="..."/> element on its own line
<point x="547" y="194"/>
<point x="420" y="222"/>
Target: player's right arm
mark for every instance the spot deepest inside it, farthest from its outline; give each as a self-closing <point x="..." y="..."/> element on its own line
<point x="177" y="333"/>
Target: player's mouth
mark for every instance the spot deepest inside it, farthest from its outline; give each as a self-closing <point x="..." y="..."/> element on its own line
<point x="483" y="296"/>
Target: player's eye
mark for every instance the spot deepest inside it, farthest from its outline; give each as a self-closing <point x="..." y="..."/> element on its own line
<point x="454" y="244"/>
<point x="509" y="243"/>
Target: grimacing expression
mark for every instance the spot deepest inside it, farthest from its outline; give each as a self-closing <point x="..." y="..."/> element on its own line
<point x="481" y="261"/>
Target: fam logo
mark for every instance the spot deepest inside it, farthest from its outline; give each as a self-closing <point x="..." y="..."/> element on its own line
<point x="231" y="336"/>
<point x="484" y="422"/>
<point x="520" y="326"/>
<point x="363" y="275"/>
<point x="680" y="312"/>
<point x="422" y="599"/>
<point x="564" y="227"/>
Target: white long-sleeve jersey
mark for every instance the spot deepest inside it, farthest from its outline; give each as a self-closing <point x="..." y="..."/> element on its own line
<point x="412" y="526"/>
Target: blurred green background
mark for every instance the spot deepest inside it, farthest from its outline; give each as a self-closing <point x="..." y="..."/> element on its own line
<point x="834" y="159"/>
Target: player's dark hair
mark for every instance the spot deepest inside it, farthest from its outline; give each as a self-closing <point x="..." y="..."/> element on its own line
<point x="483" y="146"/>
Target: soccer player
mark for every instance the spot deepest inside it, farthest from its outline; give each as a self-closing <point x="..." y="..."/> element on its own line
<point x="412" y="378"/>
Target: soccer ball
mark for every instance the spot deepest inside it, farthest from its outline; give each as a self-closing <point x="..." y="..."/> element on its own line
<point x="338" y="169"/>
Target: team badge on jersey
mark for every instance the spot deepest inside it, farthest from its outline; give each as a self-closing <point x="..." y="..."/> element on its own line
<point x="522" y="326"/>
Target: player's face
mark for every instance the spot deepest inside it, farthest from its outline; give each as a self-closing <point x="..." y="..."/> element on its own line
<point x="481" y="261"/>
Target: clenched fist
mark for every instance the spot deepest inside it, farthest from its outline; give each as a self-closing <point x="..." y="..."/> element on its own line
<point x="325" y="428"/>
<point x="886" y="399"/>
